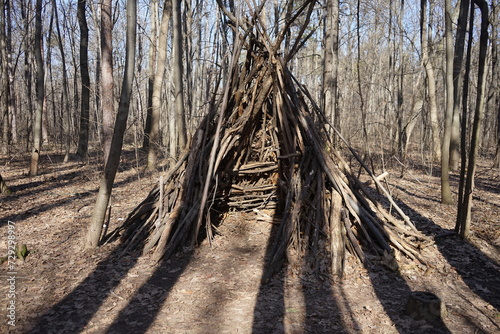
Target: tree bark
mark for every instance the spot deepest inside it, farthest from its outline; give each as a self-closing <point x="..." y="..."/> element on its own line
<point x="107" y="180"/>
<point x="494" y="98"/>
<point x="152" y="69"/>
<point x="457" y="67"/>
<point x="40" y="91"/>
<point x="5" y="80"/>
<point x="330" y="61"/>
<point x="4" y="84"/>
<point x="83" y="133"/>
<point x="157" y="84"/>
<point x="465" y="207"/>
<point x="65" y="85"/>
<point x="177" y="123"/>
<point x="27" y="65"/>
<point x="448" y="118"/>
<point x="431" y="80"/>
<point x="107" y="85"/>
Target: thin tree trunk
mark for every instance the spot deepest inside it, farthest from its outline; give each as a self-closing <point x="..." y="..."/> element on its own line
<point x="40" y="91"/>
<point x="27" y="66"/>
<point x="463" y="137"/>
<point x="187" y="16"/>
<point x="111" y="167"/>
<point x="152" y="69"/>
<point x="12" y="138"/>
<point x="358" y="70"/>
<point x="457" y="67"/>
<point x="83" y="133"/>
<point x="431" y="81"/>
<point x="448" y="118"/>
<point x="494" y="99"/>
<point x="330" y="61"/>
<point x="65" y="93"/>
<point x="4" y="84"/>
<point x="177" y="123"/>
<point x="464" y="228"/>
<point x="400" y="85"/>
<point x="158" y="83"/>
<point x="107" y="85"/>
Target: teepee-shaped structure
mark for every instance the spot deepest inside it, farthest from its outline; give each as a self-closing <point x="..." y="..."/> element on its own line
<point x="264" y="145"/>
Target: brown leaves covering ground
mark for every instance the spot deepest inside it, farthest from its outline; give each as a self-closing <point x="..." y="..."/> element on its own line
<point x="217" y="288"/>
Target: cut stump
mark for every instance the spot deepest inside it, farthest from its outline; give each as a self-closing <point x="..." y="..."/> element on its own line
<point x="425" y="305"/>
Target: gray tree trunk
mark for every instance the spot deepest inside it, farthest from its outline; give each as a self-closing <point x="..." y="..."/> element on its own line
<point x="107" y="85"/>
<point x="65" y="87"/>
<point x="465" y="208"/>
<point x="40" y="91"/>
<point x="158" y="84"/>
<point x="4" y="83"/>
<point x="177" y="123"/>
<point x="448" y="118"/>
<point x="107" y="180"/>
<point x="152" y="70"/>
<point x="494" y="98"/>
<point x="330" y="61"/>
<point x="457" y="68"/>
<point x="83" y="133"/>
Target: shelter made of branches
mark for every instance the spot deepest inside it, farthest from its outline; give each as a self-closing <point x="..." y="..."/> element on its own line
<point x="264" y="145"/>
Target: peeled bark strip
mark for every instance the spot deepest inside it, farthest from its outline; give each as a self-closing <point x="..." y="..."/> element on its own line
<point x="264" y="148"/>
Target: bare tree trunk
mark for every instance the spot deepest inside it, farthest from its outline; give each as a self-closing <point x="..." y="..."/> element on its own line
<point x="457" y="67"/>
<point x="448" y="118"/>
<point x="48" y="78"/>
<point x="25" y="9"/>
<point x="158" y="83"/>
<point x="4" y="84"/>
<point x="107" y="180"/>
<point x="65" y="85"/>
<point x="187" y="24"/>
<point x="10" y="72"/>
<point x="400" y="85"/>
<point x="177" y="123"/>
<point x="107" y="85"/>
<point x="40" y="91"/>
<point x="465" y="222"/>
<point x="152" y="69"/>
<point x="494" y="98"/>
<point x="431" y="81"/>
<point x="96" y="131"/>
<point x="330" y="61"/>
<point x="83" y="133"/>
<point x="464" y="121"/>
<point x="6" y="81"/>
<point x="358" y="70"/>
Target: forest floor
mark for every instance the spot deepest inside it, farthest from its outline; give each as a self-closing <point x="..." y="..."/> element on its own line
<point x="217" y="288"/>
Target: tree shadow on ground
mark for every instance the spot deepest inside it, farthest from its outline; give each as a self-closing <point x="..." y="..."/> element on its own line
<point x="474" y="267"/>
<point x="272" y="314"/>
<point x="64" y="175"/>
<point x="389" y="287"/>
<point x="269" y="311"/>
<point x="35" y="210"/>
<point x="142" y="310"/>
<point x="75" y="311"/>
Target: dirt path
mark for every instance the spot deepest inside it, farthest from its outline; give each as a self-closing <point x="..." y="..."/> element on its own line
<point x="217" y="288"/>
